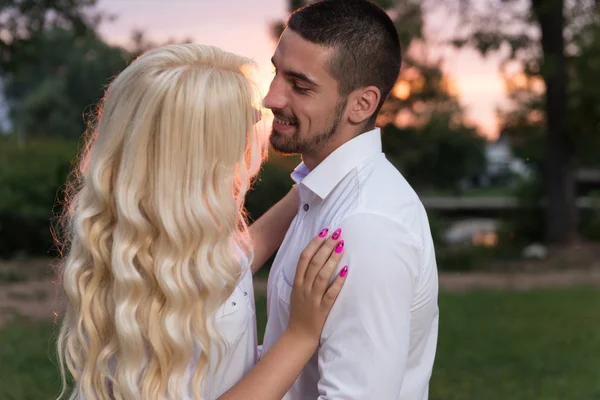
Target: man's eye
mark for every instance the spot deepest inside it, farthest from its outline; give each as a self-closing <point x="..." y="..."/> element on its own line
<point x="300" y="89"/>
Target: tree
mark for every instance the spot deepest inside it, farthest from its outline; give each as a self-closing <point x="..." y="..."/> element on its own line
<point x="534" y="33"/>
<point x="436" y="155"/>
<point x="22" y="24"/>
<point x="49" y="97"/>
<point x="55" y="66"/>
<point x="525" y="120"/>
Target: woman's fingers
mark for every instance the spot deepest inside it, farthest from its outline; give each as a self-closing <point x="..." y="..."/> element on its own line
<point x="320" y="258"/>
<point x="324" y="275"/>
<point x="307" y="255"/>
<point x="312" y="297"/>
<point x="335" y="288"/>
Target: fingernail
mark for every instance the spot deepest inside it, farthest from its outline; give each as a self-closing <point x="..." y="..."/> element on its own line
<point x="336" y="234"/>
<point x="323" y="233"/>
<point x="339" y="247"/>
<point x="344" y="271"/>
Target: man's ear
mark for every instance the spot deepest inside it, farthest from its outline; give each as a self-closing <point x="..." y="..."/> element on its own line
<point x="363" y="103"/>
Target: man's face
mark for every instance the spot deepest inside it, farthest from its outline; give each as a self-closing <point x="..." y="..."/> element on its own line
<point x="303" y="96"/>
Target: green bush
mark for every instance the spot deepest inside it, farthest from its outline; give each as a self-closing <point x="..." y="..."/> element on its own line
<point x="272" y="183"/>
<point x="438" y="226"/>
<point x="50" y="96"/>
<point x="437" y="155"/>
<point x="528" y="223"/>
<point x="31" y="178"/>
<point x="589" y="223"/>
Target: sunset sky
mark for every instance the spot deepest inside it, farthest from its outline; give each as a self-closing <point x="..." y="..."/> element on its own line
<point x="242" y="26"/>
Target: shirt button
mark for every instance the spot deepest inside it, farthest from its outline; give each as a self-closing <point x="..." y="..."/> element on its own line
<point x="306" y="207"/>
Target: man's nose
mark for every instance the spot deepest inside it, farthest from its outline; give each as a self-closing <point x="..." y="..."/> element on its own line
<point x="276" y="96"/>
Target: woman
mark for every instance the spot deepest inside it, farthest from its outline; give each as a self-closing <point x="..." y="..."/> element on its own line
<point x="159" y="259"/>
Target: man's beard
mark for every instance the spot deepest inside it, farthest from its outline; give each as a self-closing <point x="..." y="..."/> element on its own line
<point x="297" y="145"/>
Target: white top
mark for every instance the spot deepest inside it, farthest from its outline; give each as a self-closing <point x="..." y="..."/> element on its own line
<point x="236" y="320"/>
<point x="379" y="341"/>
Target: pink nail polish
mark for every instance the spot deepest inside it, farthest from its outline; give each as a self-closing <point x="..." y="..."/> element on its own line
<point x="344" y="271"/>
<point x="339" y="247"/>
<point x="323" y="233"/>
<point x="336" y="234"/>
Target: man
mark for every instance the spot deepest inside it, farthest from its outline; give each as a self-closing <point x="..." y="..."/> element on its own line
<point x="336" y="63"/>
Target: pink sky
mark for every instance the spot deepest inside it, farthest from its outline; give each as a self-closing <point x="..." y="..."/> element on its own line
<point x="242" y="27"/>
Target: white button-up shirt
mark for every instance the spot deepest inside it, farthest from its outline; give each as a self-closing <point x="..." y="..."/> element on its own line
<point x="380" y="339"/>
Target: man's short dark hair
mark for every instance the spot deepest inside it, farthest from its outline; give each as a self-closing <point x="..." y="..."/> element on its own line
<point x="365" y="42"/>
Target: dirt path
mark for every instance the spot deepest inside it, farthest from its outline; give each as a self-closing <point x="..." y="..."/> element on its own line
<point x="36" y="300"/>
<point x="27" y="288"/>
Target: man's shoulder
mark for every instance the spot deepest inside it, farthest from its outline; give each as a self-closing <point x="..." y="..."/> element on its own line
<point x="384" y="190"/>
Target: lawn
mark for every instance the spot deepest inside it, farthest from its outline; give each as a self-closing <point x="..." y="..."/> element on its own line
<point x="539" y="345"/>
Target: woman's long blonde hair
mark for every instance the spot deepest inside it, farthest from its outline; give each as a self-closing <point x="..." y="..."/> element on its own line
<point x="153" y="225"/>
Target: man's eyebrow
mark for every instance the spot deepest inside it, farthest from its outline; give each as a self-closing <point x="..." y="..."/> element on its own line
<point x="297" y="75"/>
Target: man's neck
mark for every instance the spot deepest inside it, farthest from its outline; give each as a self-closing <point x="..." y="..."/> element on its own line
<point x="313" y="159"/>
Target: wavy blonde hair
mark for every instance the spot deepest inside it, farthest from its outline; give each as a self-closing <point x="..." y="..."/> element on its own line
<point x="153" y="225"/>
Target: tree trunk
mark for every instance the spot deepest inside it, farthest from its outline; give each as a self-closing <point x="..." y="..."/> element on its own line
<point x="561" y="207"/>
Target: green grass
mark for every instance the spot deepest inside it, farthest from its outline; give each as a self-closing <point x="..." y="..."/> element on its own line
<point x="539" y="345"/>
<point x="28" y="362"/>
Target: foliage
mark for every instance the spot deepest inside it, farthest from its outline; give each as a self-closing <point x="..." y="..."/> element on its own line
<point x="437" y="155"/>
<point x="24" y="53"/>
<point x="272" y="183"/>
<point x="55" y="67"/>
<point x="543" y="37"/>
<point x="21" y="21"/>
<point x="489" y="26"/>
<point x="528" y="223"/>
<point x="49" y="97"/>
<point x="524" y="121"/>
<point x="30" y="181"/>
<point x="590" y="220"/>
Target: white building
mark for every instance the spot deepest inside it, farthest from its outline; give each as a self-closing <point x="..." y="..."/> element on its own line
<point x="501" y="162"/>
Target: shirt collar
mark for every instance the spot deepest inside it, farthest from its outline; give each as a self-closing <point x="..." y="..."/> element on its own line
<point x="339" y="163"/>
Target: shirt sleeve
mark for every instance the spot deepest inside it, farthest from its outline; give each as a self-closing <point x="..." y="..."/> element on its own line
<point x="365" y="341"/>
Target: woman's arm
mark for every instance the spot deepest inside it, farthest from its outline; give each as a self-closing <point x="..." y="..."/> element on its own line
<point x="310" y="303"/>
<point x="268" y="231"/>
<point x="276" y="371"/>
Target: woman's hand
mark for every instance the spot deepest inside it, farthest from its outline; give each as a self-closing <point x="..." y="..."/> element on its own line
<point x="312" y="296"/>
